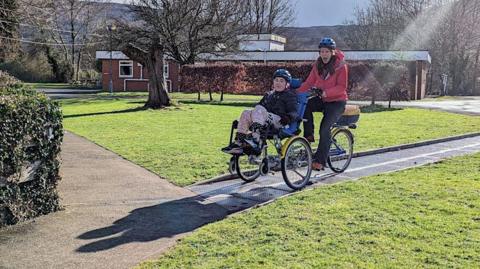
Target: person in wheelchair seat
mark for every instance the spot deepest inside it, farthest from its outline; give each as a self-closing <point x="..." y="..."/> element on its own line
<point x="276" y="109"/>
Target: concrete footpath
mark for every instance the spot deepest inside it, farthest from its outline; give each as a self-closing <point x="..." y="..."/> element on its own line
<point x="469" y="105"/>
<point x="118" y="214"/>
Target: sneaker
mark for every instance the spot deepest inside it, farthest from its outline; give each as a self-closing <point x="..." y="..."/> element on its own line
<point x="233" y="148"/>
<point x="252" y="147"/>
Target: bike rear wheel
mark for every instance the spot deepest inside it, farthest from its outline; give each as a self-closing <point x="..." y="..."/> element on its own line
<point x="341" y="150"/>
<point x="297" y="163"/>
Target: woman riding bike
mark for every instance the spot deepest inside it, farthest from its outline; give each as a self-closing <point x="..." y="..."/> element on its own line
<point x="329" y="74"/>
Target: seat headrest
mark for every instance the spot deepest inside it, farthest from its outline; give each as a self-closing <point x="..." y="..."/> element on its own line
<point x="295" y="83"/>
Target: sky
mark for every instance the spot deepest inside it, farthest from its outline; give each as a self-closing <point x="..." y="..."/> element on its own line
<point x="318" y="12"/>
<point x="325" y="12"/>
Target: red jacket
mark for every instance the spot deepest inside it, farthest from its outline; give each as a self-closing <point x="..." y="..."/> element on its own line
<point x="334" y="86"/>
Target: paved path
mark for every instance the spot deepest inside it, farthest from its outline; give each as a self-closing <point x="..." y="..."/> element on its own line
<point x="469" y="105"/>
<point x="237" y="195"/>
<point x="117" y="214"/>
<point x="69" y="93"/>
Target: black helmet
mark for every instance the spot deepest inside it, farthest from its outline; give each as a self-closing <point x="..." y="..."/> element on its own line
<point x="283" y="73"/>
<point x="327" y="42"/>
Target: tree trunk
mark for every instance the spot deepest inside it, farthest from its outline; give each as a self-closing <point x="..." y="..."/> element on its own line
<point x="73" y="36"/>
<point x="210" y="94"/>
<point x="77" y="69"/>
<point x="475" y="72"/>
<point x="157" y="96"/>
<point x="221" y="95"/>
<point x="198" y="95"/>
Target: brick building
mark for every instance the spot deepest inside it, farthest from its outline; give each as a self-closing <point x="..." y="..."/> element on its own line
<point x="129" y="75"/>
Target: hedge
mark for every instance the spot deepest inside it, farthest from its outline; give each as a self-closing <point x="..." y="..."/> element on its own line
<point x="31" y="133"/>
<point x="367" y="80"/>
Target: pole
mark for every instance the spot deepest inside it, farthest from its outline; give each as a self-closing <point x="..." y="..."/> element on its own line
<point x="110" y="83"/>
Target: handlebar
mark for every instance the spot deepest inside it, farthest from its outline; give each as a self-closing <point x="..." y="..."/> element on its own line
<point x="315" y="92"/>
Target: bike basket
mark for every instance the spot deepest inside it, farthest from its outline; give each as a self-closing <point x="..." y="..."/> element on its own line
<point x="349" y="116"/>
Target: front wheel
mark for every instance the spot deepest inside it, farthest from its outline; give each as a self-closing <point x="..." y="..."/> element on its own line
<point x="248" y="167"/>
<point x="341" y="150"/>
<point x="297" y="163"/>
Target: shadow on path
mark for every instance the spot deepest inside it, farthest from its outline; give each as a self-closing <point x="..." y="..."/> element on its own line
<point x="172" y="218"/>
<point x="154" y="222"/>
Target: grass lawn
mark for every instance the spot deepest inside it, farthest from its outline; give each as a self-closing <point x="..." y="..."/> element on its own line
<point x="182" y="143"/>
<point x="427" y="217"/>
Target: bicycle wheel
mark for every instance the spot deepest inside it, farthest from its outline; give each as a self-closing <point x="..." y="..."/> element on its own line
<point x="341" y="150"/>
<point x="248" y="167"/>
<point x="297" y="163"/>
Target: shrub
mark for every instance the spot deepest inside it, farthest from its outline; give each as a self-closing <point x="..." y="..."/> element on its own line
<point x="379" y="81"/>
<point x="30" y="136"/>
<point x="30" y="68"/>
<point x="367" y="80"/>
<point x="7" y="81"/>
<point x="212" y="78"/>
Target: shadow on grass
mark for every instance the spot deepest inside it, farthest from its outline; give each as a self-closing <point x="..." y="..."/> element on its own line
<point x="377" y="108"/>
<point x="90" y="98"/>
<point x="106" y="113"/>
<point x="218" y="103"/>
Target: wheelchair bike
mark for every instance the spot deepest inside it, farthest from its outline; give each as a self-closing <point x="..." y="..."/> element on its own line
<point x="294" y="156"/>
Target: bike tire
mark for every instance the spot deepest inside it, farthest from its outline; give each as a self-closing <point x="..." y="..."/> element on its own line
<point x="298" y="155"/>
<point x="341" y="150"/>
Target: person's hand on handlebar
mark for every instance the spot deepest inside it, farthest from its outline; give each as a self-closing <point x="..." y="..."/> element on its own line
<point x="316" y="92"/>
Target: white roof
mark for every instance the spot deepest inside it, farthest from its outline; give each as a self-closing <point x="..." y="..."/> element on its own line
<point x="263" y="37"/>
<point x="116" y="55"/>
<point x="294" y="56"/>
<point x="312" y="55"/>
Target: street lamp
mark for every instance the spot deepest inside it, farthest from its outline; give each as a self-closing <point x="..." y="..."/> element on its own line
<point x="111" y="27"/>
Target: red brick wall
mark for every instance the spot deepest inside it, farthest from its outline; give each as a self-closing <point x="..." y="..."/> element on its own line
<point x="133" y="83"/>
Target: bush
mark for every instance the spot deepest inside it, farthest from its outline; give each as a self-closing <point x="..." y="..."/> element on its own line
<point x="234" y="78"/>
<point x="379" y="81"/>
<point x="367" y="80"/>
<point x="30" y="69"/>
<point x="7" y="81"/>
<point x="30" y="136"/>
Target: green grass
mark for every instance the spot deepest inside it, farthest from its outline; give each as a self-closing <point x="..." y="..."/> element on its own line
<point x="427" y="217"/>
<point x="182" y="143"/>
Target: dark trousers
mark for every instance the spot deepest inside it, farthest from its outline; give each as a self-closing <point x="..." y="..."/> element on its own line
<point x="331" y="113"/>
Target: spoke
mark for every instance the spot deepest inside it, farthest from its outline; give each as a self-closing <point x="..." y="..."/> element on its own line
<point x="299" y="174"/>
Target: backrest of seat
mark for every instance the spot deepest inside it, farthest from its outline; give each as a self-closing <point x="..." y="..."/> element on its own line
<point x="302" y="100"/>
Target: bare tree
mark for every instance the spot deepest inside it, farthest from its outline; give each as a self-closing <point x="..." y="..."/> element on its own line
<point x="448" y="29"/>
<point x="266" y="16"/>
<point x="69" y="25"/>
<point x="180" y="29"/>
<point x="9" y="27"/>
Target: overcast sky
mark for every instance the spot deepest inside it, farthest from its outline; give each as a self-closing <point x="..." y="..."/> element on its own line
<point x="318" y="12"/>
<point x="325" y="12"/>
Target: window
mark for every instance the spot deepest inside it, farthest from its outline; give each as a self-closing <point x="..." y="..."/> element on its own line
<point x="125" y="69"/>
<point x="168" y="85"/>
<point x="165" y="70"/>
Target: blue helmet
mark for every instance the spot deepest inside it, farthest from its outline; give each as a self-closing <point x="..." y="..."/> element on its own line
<point x="327" y="42"/>
<point x="283" y="73"/>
